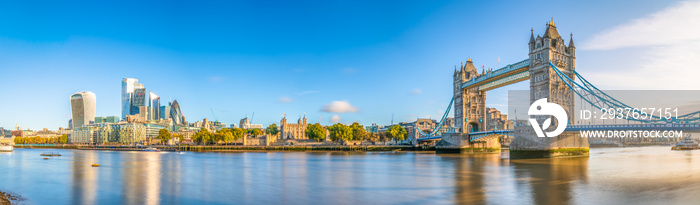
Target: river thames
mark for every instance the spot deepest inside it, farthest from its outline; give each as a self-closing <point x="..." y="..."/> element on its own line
<point x="644" y="175"/>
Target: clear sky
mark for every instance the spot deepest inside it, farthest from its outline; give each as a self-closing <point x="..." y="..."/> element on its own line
<point x="331" y="60"/>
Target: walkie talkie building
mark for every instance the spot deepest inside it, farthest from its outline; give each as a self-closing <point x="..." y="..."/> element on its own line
<point x="82" y="108"/>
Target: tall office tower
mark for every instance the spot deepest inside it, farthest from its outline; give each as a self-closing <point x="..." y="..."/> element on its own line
<point x="138" y="99"/>
<point x="155" y="106"/>
<point x="176" y="113"/>
<point x="128" y="87"/>
<point x="165" y="112"/>
<point x="83" y="108"/>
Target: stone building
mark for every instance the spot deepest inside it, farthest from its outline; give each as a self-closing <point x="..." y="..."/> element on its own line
<point x="497" y="121"/>
<point x="426" y="126"/>
<point x="246" y="124"/>
<point x="293" y="131"/>
<point x="469" y="104"/>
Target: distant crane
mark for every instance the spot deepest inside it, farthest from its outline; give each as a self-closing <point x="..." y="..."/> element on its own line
<point x="212" y="113"/>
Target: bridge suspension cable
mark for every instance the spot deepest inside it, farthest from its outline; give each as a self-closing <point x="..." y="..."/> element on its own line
<point x="601" y="100"/>
<point x="436" y="130"/>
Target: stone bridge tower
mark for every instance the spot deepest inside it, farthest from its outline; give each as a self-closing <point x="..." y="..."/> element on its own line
<point x="469" y="104"/>
<point x="545" y="83"/>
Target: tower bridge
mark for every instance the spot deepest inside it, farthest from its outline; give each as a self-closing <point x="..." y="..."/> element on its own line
<point x="551" y="71"/>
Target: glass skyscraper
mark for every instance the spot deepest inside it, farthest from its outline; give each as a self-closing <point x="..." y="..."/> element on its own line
<point x="176" y="114"/>
<point x="83" y="108"/>
<point x="165" y="112"/>
<point x="155" y="106"/>
<point x="128" y="87"/>
<point x="138" y="99"/>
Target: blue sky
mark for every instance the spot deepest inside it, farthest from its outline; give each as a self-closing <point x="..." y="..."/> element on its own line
<point x="363" y="60"/>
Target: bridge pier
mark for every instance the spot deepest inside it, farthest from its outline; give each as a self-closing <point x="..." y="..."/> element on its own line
<point x="460" y="143"/>
<point x="527" y="145"/>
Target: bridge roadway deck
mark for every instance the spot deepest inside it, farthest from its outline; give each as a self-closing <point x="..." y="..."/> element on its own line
<point x="576" y="128"/>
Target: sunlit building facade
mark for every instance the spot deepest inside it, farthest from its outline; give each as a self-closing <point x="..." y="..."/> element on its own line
<point x="129" y="133"/>
<point x="165" y="112"/>
<point x="176" y="113"/>
<point x="82" y="108"/>
<point x="82" y="135"/>
<point x="139" y="99"/>
<point x="154" y="103"/>
<point x="152" y="130"/>
<point x="128" y="87"/>
<point x="108" y="119"/>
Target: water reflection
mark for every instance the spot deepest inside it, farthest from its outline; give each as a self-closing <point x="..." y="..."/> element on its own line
<point x="609" y="176"/>
<point x="550" y="181"/>
<point x="84" y="189"/>
<point x="172" y="173"/>
<point x="469" y="177"/>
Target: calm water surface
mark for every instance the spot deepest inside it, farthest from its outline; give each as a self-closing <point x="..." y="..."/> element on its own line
<point x="648" y="175"/>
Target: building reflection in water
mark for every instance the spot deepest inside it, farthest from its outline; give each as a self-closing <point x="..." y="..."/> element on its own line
<point x="550" y="181"/>
<point x="84" y="177"/>
<point x="469" y="178"/>
<point x="141" y="178"/>
<point x="493" y="178"/>
<point x="648" y="175"/>
<point x="171" y="178"/>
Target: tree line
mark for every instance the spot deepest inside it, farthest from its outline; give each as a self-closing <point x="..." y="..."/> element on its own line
<point x="223" y="136"/>
<point x="337" y="132"/>
<point x="63" y="139"/>
<point x="354" y="132"/>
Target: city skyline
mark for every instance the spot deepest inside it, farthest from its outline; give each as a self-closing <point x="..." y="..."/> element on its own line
<point x="357" y="70"/>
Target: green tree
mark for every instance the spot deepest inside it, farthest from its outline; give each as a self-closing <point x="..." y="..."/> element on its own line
<point x="217" y="137"/>
<point x="396" y="132"/>
<point x="63" y="139"/>
<point x="358" y="132"/>
<point x="179" y="138"/>
<point x="272" y="129"/>
<point x="213" y="138"/>
<point x="255" y="132"/>
<point x="373" y="136"/>
<point x="164" y="135"/>
<point x="202" y="136"/>
<point x="316" y="131"/>
<point x="340" y="132"/>
<point x="225" y="135"/>
<point x="238" y="133"/>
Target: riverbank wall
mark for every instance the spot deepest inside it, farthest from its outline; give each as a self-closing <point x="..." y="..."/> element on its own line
<point x="367" y="148"/>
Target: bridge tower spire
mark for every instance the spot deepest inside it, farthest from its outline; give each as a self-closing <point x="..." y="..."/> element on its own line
<point x="469" y="104"/>
<point x="544" y="83"/>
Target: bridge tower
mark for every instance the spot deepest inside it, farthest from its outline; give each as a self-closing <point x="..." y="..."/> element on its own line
<point x="469" y="103"/>
<point x="544" y="83"/>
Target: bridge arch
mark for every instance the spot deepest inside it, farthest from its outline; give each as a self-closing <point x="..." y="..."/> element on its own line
<point x="473" y="127"/>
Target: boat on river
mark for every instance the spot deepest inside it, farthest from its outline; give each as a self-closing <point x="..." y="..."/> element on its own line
<point x="151" y="149"/>
<point x="686" y="144"/>
<point x="50" y="154"/>
<point x="4" y="147"/>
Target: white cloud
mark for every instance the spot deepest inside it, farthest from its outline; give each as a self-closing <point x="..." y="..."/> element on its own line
<point x="335" y="119"/>
<point x="339" y="107"/>
<point x="416" y="91"/>
<point x="285" y="100"/>
<point x="666" y="45"/>
<point x="675" y="25"/>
